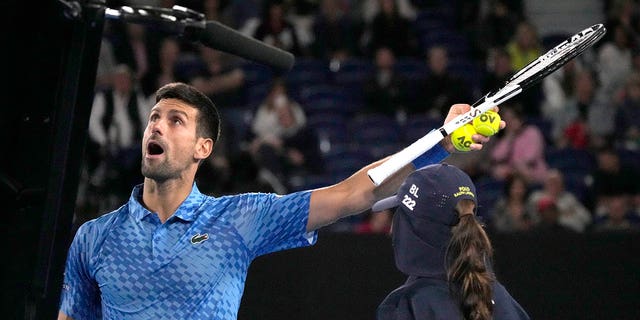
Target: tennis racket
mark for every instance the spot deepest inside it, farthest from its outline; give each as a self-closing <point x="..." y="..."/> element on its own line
<point x="523" y="79"/>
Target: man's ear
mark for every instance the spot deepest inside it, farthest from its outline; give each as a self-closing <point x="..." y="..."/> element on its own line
<point x="204" y="147"/>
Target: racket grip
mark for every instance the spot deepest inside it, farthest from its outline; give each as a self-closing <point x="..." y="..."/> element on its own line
<point x="402" y="158"/>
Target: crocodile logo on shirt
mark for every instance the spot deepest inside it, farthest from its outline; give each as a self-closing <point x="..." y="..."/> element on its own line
<point x="197" y="238"/>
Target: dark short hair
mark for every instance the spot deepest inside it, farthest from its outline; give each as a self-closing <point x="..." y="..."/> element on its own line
<point x="208" y="125"/>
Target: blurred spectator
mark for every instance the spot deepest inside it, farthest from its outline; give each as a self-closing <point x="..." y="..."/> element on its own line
<point x="389" y="29"/>
<point x="274" y="28"/>
<point x="549" y="215"/>
<point x="222" y="77"/>
<point x="614" y="61"/>
<point x="496" y="28"/>
<point x="118" y="117"/>
<point x="524" y="48"/>
<point x="291" y="149"/>
<point x="134" y="46"/>
<point x="499" y="69"/>
<point x="519" y="148"/>
<point x="617" y="216"/>
<point x="335" y="32"/>
<point x="570" y="212"/>
<point x="619" y="12"/>
<point x="245" y="14"/>
<point x="106" y="65"/>
<point x="557" y="89"/>
<point x="375" y="222"/>
<point x="627" y="129"/>
<point x="265" y="120"/>
<point x="385" y="91"/>
<point x="612" y="179"/>
<point x="510" y="212"/>
<point x="525" y="45"/>
<point x="164" y="71"/>
<point x="368" y="9"/>
<point x="218" y="10"/>
<point x="568" y="109"/>
<point x="440" y="89"/>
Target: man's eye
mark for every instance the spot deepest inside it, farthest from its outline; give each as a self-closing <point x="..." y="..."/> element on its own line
<point x="177" y="121"/>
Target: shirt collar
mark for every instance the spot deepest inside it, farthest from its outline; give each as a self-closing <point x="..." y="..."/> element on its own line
<point x="187" y="211"/>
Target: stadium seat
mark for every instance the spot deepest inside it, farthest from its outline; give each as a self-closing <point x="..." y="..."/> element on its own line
<point x="376" y="134"/>
<point x="440" y="16"/>
<point x="309" y="182"/>
<point x="352" y="74"/>
<point x="545" y="126"/>
<point x="412" y="69"/>
<point x="416" y="126"/>
<point x="331" y="129"/>
<point x="490" y="190"/>
<point x="257" y="94"/>
<point x="307" y="72"/>
<point x="256" y="74"/>
<point x="629" y="158"/>
<point x="457" y="45"/>
<point x="569" y="159"/>
<point x="329" y="98"/>
<point x="341" y="163"/>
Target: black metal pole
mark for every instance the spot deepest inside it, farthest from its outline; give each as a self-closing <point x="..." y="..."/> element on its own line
<point x="72" y="106"/>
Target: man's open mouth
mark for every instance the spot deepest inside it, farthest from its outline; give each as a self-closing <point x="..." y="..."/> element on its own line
<point x="153" y="148"/>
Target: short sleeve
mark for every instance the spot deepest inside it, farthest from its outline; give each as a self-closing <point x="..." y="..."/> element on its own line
<point x="271" y="222"/>
<point x="80" y="297"/>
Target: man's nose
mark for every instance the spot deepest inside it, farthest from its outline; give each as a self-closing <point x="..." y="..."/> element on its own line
<point x="156" y="127"/>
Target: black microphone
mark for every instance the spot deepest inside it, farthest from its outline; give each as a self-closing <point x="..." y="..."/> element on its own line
<point x="220" y="37"/>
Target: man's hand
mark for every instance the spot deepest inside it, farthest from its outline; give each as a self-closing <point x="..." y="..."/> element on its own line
<point x="478" y="139"/>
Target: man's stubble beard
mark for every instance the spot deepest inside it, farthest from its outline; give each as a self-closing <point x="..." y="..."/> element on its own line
<point x="160" y="172"/>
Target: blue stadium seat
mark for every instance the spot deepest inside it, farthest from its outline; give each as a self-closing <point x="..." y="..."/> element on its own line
<point x="255" y="74"/>
<point x="257" y="94"/>
<point x="578" y="183"/>
<point x="629" y="158"/>
<point x="352" y="75"/>
<point x="470" y="72"/>
<point x="307" y="72"/>
<point x="329" y="98"/>
<point x="570" y="160"/>
<point x="577" y="167"/>
<point x="331" y="129"/>
<point x="417" y="126"/>
<point x="343" y="162"/>
<point x="376" y="134"/>
<point x="412" y="69"/>
<point x="309" y="182"/>
<point x="457" y="45"/>
<point x="545" y="126"/>
<point x="436" y="15"/>
<point x="489" y="192"/>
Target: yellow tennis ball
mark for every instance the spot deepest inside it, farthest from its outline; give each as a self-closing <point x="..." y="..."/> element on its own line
<point x="461" y="137"/>
<point x="487" y="124"/>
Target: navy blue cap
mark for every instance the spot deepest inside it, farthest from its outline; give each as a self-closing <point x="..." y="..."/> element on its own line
<point x="425" y="214"/>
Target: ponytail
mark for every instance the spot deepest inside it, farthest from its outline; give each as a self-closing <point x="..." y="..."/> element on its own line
<point x="467" y="271"/>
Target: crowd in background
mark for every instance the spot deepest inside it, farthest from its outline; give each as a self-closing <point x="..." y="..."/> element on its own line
<point x="370" y="77"/>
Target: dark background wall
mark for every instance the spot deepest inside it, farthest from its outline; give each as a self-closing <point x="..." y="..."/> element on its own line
<point x="553" y="276"/>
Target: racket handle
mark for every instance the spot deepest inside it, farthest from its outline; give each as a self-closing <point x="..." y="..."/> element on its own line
<point x="405" y="156"/>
